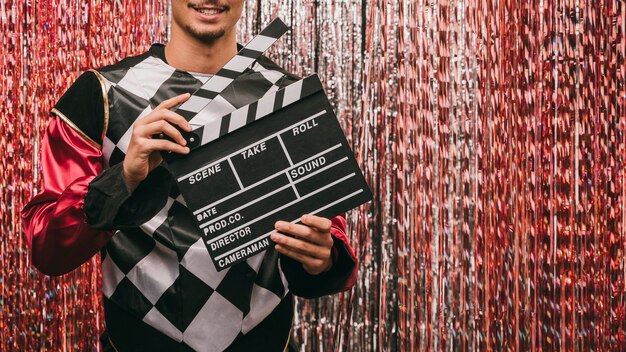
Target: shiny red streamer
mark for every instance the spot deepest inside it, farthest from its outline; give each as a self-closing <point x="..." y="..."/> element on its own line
<point x="45" y="45"/>
<point x="491" y="132"/>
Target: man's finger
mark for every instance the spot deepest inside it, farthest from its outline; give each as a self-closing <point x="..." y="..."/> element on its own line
<point x="172" y="102"/>
<point x="302" y="258"/>
<point x="167" y="115"/>
<point x="311" y="265"/>
<point x="165" y="145"/>
<point x="320" y="223"/>
<point x="308" y="233"/>
<point x="164" y="127"/>
<point x="300" y="246"/>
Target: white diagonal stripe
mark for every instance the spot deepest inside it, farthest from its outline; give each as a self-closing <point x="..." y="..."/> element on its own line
<point x="260" y="43"/>
<point x="218" y="108"/>
<point x="238" y="118"/>
<point x="145" y="78"/>
<point x="217" y="83"/>
<point x="265" y="105"/>
<point x="200" y="119"/>
<point x="238" y="63"/>
<point x="211" y="131"/>
<point x="292" y="92"/>
<point x="195" y="103"/>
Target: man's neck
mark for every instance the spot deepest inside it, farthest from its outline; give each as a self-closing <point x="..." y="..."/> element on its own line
<point x="192" y="55"/>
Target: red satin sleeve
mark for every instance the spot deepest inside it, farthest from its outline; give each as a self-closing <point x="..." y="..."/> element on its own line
<point x="54" y="221"/>
<point x="338" y="230"/>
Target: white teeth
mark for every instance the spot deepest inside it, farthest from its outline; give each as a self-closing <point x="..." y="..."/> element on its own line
<point x="209" y="11"/>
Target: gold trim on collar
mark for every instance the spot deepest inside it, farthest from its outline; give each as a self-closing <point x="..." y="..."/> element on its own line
<point x="112" y="345"/>
<point x="75" y="128"/>
<point x="105" y="100"/>
<point x="288" y="336"/>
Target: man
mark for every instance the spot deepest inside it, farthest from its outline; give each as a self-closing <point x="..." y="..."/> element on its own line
<point x="106" y="188"/>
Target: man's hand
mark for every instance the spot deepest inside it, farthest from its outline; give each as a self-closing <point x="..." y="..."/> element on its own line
<point x="311" y="246"/>
<point x="143" y="150"/>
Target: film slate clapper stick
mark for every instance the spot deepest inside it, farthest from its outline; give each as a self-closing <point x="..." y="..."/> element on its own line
<point x="195" y="110"/>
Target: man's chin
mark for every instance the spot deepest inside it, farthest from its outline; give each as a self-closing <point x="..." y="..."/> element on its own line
<point x="206" y="36"/>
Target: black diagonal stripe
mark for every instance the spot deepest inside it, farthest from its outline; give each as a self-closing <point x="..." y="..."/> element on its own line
<point x="224" y="72"/>
<point x="275" y="29"/>
<point x="204" y="93"/>
<point x="188" y="115"/>
<point x="278" y="100"/>
<point x="224" y="125"/>
<point x="253" y="54"/>
<point x="268" y="277"/>
<point x="251" y="112"/>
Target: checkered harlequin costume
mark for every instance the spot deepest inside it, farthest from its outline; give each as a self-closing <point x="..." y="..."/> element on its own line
<point x="161" y="290"/>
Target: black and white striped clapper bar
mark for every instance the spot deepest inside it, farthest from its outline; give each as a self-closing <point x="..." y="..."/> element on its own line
<point x="206" y="103"/>
<point x="276" y="158"/>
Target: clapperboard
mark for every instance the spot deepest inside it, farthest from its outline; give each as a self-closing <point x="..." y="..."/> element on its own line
<point x="276" y="158"/>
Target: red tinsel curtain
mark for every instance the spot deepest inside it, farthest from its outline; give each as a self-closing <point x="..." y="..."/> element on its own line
<point x="492" y="133"/>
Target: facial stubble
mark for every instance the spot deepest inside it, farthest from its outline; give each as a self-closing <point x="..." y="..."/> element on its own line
<point x="206" y="37"/>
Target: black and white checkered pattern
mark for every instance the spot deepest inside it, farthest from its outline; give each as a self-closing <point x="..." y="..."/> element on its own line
<point x="269" y="103"/>
<point x="135" y="92"/>
<point x="151" y="270"/>
<point x="197" y="109"/>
